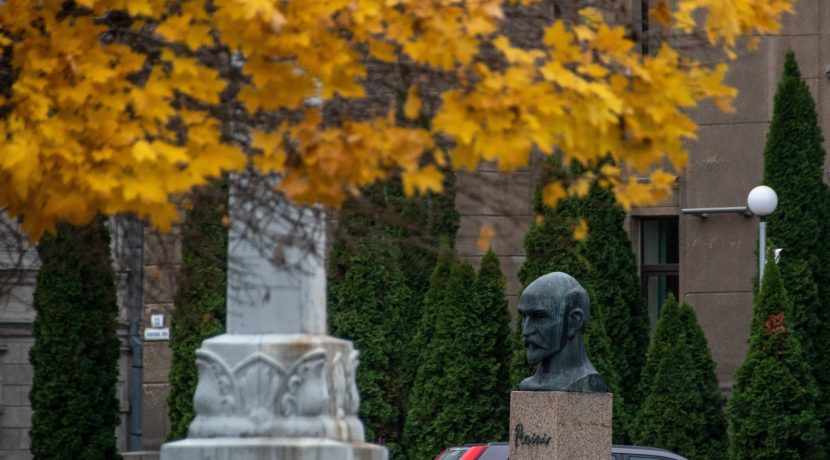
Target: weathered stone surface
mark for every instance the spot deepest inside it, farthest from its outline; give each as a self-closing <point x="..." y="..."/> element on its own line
<point x="159" y="283"/>
<point x="141" y="455"/>
<point x="15" y="395"/>
<point x="277" y="385"/>
<point x="157" y="357"/>
<point x="17" y="455"/>
<point x="557" y="425"/>
<point x="156" y="424"/>
<point x="17" y="374"/>
<point x="494" y="193"/>
<point x="16" y="417"/>
<point x="271" y="448"/>
<point x="10" y="439"/>
<point x="276" y="272"/>
<point x="509" y="231"/>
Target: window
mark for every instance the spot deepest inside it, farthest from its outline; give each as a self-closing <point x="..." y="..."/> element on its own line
<point x="659" y="257"/>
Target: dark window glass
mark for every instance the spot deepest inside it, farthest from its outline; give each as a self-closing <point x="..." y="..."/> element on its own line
<point x="659" y="258"/>
<point x="453" y="454"/>
<point x="497" y="452"/>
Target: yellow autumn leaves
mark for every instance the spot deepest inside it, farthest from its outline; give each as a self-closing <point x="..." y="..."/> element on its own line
<point x="93" y="124"/>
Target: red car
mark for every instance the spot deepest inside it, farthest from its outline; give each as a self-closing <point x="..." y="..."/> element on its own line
<point x="492" y="451"/>
<point x="500" y="450"/>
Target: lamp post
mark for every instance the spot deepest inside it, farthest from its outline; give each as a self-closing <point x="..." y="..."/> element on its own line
<point x="762" y="201"/>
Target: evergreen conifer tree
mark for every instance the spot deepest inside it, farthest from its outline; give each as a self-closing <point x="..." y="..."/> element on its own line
<point x="604" y="265"/>
<point x="366" y="297"/>
<point x="612" y="277"/>
<point x="682" y="407"/>
<point x="451" y="401"/>
<point x="385" y="247"/>
<point x="496" y="319"/>
<point x="199" y="303"/>
<point x="772" y="412"/>
<point x="793" y="166"/>
<point x="75" y="354"/>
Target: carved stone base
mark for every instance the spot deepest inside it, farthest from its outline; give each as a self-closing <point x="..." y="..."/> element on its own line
<point x="560" y="425"/>
<point x="270" y="448"/>
<point x="277" y="385"/>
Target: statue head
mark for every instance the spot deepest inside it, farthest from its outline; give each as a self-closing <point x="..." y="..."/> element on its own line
<point x="555" y="309"/>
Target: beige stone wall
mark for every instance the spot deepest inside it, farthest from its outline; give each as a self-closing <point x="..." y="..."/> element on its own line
<point x="502" y="201"/>
<point x="162" y="257"/>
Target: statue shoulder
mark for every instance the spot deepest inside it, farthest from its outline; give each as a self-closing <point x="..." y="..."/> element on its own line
<point x="591" y="383"/>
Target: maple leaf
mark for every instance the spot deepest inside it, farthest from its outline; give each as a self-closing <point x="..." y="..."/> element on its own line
<point x="660" y="13"/>
<point x="257" y="8"/>
<point x="552" y="193"/>
<point x="142" y="151"/>
<point x="83" y="136"/>
<point x="580" y="231"/>
<point x="426" y="179"/>
<point x="484" y="237"/>
<point x="139" y="7"/>
<point x="413" y="103"/>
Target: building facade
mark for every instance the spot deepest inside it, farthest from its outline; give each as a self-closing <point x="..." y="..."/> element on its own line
<point x="706" y="261"/>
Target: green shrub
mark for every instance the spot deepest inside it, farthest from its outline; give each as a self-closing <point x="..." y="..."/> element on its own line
<point x="75" y="354"/>
<point x="452" y="399"/>
<point x="772" y="412"/>
<point x="366" y="297"/>
<point x="604" y="264"/>
<point x="199" y="303"/>
<point x="793" y="165"/>
<point x="682" y="408"/>
<point x="612" y="277"/>
<point x="496" y="324"/>
<point x="385" y="247"/>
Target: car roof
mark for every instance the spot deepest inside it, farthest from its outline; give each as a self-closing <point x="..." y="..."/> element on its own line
<point x="621" y="449"/>
<point x="615" y="449"/>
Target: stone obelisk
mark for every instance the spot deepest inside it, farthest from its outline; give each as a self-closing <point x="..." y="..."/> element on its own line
<point x="275" y="385"/>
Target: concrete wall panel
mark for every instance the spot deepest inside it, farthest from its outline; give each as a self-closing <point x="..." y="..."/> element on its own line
<point x="160" y="283"/>
<point x="752" y="103"/>
<point x="156" y="424"/>
<point x="157" y="357"/>
<point x="725" y="163"/>
<point x="804" y="21"/>
<point x="718" y="253"/>
<point x="806" y="53"/>
<point x="494" y="193"/>
<point x="509" y="233"/>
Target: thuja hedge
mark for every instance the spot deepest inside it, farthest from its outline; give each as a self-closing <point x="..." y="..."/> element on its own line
<point x="199" y="302"/>
<point x="794" y="166"/>
<point x="604" y="264"/>
<point x="490" y="286"/>
<point x="456" y="394"/>
<point x="385" y="247"/>
<point x="773" y="409"/>
<point x="75" y="354"/>
<point x="366" y="298"/>
<point x="682" y="407"/>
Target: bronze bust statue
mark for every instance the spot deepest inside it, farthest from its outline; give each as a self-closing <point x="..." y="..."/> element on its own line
<point x="555" y="310"/>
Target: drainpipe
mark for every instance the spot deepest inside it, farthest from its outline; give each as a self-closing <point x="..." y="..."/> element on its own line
<point x="135" y="244"/>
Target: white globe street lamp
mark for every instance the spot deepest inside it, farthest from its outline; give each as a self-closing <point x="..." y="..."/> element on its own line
<point x="762" y="201"/>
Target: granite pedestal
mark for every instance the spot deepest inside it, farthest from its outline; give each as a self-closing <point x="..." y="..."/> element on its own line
<point x="557" y="425"/>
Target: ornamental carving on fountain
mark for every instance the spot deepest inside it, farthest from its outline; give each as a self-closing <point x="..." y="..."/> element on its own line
<point x="304" y="388"/>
